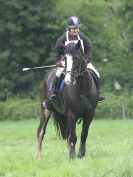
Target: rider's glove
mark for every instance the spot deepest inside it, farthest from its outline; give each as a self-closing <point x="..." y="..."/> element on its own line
<point x="59" y="64"/>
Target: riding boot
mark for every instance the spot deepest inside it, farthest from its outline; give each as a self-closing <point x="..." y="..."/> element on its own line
<point x="101" y="97"/>
<point x="53" y="94"/>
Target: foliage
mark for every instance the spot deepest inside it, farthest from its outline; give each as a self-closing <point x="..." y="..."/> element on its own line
<point x="26" y="41"/>
<point x="17" y="109"/>
<point x="126" y="11"/>
<point x="115" y="106"/>
<point x="28" y="33"/>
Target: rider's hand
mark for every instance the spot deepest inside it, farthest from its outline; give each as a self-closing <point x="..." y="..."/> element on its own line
<point x="63" y="63"/>
<point x="59" y="64"/>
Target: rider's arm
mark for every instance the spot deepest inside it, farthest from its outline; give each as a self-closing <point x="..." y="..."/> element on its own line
<point x="87" y="48"/>
<point x="59" y="48"/>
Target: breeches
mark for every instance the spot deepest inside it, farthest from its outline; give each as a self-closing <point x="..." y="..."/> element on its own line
<point x="90" y="66"/>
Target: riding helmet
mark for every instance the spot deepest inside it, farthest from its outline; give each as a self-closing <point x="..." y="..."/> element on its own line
<point x="73" y="22"/>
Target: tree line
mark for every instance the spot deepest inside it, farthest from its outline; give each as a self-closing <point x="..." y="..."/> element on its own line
<point x="28" y="33"/>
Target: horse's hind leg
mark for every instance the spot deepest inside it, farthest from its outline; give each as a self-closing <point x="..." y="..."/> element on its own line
<point x="41" y="131"/>
<point x="84" y="134"/>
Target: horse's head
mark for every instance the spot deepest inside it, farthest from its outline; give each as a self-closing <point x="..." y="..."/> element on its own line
<point x="75" y="62"/>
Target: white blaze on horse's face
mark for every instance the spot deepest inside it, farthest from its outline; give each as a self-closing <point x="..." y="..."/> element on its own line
<point x="69" y="62"/>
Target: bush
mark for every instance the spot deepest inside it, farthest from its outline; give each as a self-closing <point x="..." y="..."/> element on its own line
<point x="19" y="109"/>
<point x="115" y="106"/>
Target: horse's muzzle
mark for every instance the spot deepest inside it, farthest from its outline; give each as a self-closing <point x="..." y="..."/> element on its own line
<point x="68" y="79"/>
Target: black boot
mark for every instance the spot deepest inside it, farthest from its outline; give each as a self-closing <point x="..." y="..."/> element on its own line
<point x="53" y="94"/>
<point x="101" y="98"/>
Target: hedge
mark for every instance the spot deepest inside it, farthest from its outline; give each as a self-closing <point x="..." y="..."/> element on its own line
<point x="115" y="107"/>
<point x="18" y="109"/>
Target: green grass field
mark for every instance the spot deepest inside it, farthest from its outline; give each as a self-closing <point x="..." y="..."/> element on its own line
<point x="109" y="151"/>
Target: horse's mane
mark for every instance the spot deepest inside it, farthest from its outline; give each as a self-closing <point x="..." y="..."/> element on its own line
<point x="72" y="49"/>
<point x="77" y="52"/>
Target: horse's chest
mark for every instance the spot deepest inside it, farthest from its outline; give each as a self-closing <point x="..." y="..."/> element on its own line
<point x="81" y="106"/>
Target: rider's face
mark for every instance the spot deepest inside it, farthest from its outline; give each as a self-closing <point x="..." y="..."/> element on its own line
<point x="74" y="31"/>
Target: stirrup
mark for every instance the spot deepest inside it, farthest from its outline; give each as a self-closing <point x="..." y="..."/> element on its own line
<point x="53" y="97"/>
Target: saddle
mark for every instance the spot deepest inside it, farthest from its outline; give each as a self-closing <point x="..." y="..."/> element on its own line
<point x="61" y="82"/>
<point x="96" y="78"/>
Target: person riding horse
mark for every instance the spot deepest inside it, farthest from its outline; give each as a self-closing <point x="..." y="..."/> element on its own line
<point x="73" y="34"/>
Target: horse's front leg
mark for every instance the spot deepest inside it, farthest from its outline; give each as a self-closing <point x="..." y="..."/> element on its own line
<point x="84" y="134"/>
<point x="72" y="138"/>
<point x="41" y="131"/>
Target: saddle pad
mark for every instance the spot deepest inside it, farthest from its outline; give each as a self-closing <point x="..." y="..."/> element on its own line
<point x="62" y="84"/>
<point x="50" y="86"/>
<point x="96" y="78"/>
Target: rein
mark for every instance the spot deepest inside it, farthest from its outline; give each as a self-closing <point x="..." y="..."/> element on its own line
<point x="79" y="70"/>
<point x="79" y="74"/>
<point x="84" y="95"/>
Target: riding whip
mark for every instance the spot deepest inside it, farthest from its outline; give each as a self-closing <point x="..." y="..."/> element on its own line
<point x="39" y="67"/>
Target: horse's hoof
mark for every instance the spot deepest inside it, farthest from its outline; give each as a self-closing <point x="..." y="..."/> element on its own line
<point x="38" y="156"/>
<point x="79" y="155"/>
<point x="72" y="156"/>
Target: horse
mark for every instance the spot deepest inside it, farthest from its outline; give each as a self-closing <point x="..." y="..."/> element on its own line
<point x="77" y="101"/>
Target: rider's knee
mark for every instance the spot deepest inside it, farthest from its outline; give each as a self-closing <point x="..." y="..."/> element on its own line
<point x="59" y="72"/>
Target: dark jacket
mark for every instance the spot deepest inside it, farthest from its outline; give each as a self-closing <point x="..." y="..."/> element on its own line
<point x="59" y="48"/>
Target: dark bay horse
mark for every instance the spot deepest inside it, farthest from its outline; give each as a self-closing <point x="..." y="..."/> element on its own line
<point x="77" y="101"/>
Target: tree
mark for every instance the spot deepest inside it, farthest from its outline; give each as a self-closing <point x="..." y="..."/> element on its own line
<point x="26" y="35"/>
<point x="126" y="12"/>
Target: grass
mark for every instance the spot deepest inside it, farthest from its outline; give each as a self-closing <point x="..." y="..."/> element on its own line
<point x="109" y="151"/>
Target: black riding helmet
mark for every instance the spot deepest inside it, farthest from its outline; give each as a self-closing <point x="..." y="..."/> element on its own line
<point x="73" y="22"/>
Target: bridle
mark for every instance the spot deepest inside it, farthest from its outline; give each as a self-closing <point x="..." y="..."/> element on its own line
<point x="79" y="72"/>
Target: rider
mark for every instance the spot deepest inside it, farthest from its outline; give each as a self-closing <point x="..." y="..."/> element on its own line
<point x="73" y="34"/>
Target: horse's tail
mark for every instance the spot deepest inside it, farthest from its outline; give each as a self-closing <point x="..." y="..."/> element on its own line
<point x="61" y="124"/>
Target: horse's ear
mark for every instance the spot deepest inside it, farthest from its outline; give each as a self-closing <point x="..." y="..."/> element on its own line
<point x="78" y="44"/>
